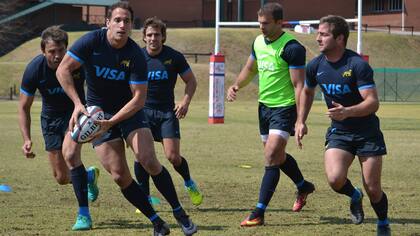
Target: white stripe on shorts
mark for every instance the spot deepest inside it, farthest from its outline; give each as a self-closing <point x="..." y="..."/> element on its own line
<point x="281" y="133"/>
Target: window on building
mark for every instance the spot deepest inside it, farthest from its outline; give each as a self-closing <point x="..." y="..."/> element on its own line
<point x="395" y="5"/>
<point x="378" y="5"/>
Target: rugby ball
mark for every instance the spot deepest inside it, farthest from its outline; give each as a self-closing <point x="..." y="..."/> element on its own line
<point x="86" y="128"/>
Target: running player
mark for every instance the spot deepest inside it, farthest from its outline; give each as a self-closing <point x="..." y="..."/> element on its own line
<point x="346" y="81"/>
<point x="279" y="60"/>
<point x="117" y="82"/>
<point x="163" y="65"/>
<point x="56" y="106"/>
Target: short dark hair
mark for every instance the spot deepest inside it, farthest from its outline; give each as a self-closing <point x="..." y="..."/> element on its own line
<point x="272" y="8"/>
<point x="122" y="5"/>
<point x="54" y="33"/>
<point x="155" y="22"/>
<point x="338" y="26"/>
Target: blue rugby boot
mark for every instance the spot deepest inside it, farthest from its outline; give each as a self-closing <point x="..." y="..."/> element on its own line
<point x="82" y="223"/>
<point x="93" y="190"/>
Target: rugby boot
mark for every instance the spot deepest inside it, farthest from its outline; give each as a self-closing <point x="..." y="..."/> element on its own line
<point x="356" y="209"/>
<point x="301" y="196"/>
<point x="187" y="226"/>
<point x="383" y="230"/>
<point x="82" y="223"/>
<point x="161" y="228"/>
<point x="93" y="189"/>
<point x="195" y="194"/>
<point x="253" y="220"/>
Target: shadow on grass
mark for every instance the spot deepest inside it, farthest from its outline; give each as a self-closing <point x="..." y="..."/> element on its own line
<point x="127" y="224"/>
<point x="339" y="220"/>
<point x="122" y="224"/>
<point x="239" y="210"/>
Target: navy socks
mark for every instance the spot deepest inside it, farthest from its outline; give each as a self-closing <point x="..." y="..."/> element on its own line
<point x="268" y="186"/>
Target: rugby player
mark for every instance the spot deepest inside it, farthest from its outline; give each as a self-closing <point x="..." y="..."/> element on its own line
<point x="279" y="60"/>
<point x="56" y="107"/>
<point x="164" y="64"/>
<point x="346" y="81"/>
<point x="117" y="82"/>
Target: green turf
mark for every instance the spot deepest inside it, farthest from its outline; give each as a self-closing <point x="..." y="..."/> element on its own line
<point x="39" y="206"/>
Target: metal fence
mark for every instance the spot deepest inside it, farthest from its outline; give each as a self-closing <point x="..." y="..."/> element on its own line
<point x="395" y="84"/>
<point x="398" y="85"/>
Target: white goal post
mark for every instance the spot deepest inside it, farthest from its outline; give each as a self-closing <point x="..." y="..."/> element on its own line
<point x="217" y="63"/>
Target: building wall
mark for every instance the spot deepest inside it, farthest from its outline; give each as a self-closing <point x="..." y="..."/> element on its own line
<point x="412" y="17"/>
<point x="94" y="14"/>
<point x="193" y="13"/>
<point x="56" y="15"/>
<point x="176" y="13"/>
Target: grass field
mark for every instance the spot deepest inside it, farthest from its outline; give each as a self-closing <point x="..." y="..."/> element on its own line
<point x="39" y="206"/>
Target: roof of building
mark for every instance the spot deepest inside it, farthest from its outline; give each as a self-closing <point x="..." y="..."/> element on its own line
<point x="85" y="2"/>
<point x="47" y="3"/>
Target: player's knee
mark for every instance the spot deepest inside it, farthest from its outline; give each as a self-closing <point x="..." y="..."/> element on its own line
<point x="174" y="159"/>
<point x="273" y="158"/>
<point x="151" y="165"/>
<point x="69" y="154"/>
<point x="336" y="182"/>
<point x="374" y="191"/>
<point x="145" y="155"/>
<point x="62" y="179"/>
<point x="120" y="178"/>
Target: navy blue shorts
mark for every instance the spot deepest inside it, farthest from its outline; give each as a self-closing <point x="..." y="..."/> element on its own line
<point x="54" y="130"/>
<point x="122" y="129"/>
<point x="363" y="143"/>
<point x="163" y="124"/>
<point x="278" y="118"/>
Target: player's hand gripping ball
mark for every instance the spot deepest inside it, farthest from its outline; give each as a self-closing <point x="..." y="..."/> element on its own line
<point x="85" y="129"/>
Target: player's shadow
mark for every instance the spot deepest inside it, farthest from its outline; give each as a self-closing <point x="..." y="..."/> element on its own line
<point x="248" y="210"/>
<point x="122" y="224"/>
<point x="340" y="221"/>
<point x="129" y="224"/>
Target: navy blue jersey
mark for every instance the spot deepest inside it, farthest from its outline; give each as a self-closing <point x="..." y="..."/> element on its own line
<point x="294" y="54"/>
<point x="110" y="71"/>
<point x="340" y="82"/>
<point x="163" y="70"/>
<point x="39" y="76"/>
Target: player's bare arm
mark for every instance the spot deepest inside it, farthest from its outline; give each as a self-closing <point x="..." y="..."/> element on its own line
<point x="369" y="105"/>
<point x="297" y="76"/>
<point x="24" y="109"/>
<point x="246" y="75"/>
<point x="181" y="109"/>
<point x="306" y="99"/>
<point x="64" y="76"/>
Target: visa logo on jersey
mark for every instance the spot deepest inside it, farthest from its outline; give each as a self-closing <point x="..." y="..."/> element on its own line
<point x="336" y="88"/>
<point x="265" y="66"/>
<point x="55" y="91"/>
<point x="108" y="73"/>
<point x="157" y="75"/>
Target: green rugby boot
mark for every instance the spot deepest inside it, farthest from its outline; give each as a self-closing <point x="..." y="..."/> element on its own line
<point x="195" y="194"/>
